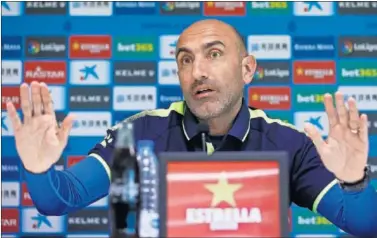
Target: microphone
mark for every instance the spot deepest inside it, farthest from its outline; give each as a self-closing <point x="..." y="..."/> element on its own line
<point x="203" y="128"/>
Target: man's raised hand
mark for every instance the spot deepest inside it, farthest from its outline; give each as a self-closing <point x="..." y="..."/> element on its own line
<point x="39" y="140"/>
<point x="345" y="152"/>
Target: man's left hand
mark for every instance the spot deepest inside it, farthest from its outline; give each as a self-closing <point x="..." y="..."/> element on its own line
<point x="345" y="152"/>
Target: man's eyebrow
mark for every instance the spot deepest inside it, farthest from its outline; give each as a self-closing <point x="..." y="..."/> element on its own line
<point x="205" y="46"/>
<point x="213" y="43"/>
<point x="182" y="49"/>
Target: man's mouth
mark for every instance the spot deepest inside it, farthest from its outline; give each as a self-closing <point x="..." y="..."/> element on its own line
<point x="203" y="91"/>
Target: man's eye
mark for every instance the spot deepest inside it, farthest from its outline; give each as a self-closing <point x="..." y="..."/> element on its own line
<point x="186" y="60"/>
<point x="215" y="54"/>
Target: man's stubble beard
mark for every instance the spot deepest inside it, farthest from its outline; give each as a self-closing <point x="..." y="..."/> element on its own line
<point x="214" y="107"/>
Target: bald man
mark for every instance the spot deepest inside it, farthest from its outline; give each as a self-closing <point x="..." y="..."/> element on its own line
<point x="330" y="176"/>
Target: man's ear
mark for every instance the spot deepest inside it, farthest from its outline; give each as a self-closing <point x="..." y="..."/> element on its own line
<point x="249" y="65"/>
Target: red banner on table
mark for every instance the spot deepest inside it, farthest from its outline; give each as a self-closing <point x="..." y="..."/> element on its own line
<point x="223" y="199"/>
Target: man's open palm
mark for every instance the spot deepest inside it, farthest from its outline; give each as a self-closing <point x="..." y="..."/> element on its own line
<point x="345" y="152"/>
<point x="39" y="140"/>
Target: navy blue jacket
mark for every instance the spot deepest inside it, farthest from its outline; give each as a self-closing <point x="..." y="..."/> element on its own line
<point x="175" y="129"/>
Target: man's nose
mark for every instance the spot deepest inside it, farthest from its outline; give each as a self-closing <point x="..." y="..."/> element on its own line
<point x="200" y="69"/>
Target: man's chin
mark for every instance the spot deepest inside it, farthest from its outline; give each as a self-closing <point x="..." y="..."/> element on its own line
<point x="207" y="110"/>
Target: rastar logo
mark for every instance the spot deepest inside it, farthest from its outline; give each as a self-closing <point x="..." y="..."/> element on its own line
<point x="50" y="72"/>
<point x="10" y="220"/>
<point x="223" y="218"/>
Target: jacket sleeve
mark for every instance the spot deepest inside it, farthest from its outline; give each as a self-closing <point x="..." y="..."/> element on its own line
<point x="60" y="192"/>
<point x="353" y="212"/>
<point x="317" y="189"/>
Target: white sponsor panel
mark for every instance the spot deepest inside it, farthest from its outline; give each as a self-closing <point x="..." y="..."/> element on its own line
<point x="365" y="96"/>
<point x="313" y="8"/>
<point x="34" y="222"/>
<point x="167" y="73"/>
<point x="10" y="194"/>
<point x="89" y="72"/>
<point x="11" y="72"/>
<point x="10" y="8"/>
<point x="270" y="46"/>
<point x="318" y="119"/>
<point x="6" y="124"/>
<point x="134" y="98"/>
<point x="58" y="95"/>
<point x="91" y="123"/>
<point x="167" y="46"/>
<point x="89" y="8"/>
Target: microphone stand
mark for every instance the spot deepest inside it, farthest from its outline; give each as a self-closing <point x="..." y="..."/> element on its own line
<point x="203" y="128"/>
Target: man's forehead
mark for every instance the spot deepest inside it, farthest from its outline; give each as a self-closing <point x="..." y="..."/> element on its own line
<point x="199" y="39"/>
<point x="205" y="34"/>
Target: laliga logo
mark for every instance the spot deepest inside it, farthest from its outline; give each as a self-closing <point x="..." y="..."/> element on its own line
<point x="259" y="73"/>
<point x="347" y="47"/>
<point x="223" y="218"/>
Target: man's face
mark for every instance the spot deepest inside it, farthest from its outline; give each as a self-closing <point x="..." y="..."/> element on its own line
<point x="209" y="69"/>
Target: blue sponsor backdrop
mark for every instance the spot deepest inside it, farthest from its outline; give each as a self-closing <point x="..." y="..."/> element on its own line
<point x="11" y="52"/>
<point x="130" y="31"/>
<point x="316" y="47"/>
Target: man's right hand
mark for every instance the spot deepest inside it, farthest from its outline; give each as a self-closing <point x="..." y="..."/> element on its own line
<point x="39" y="140"/>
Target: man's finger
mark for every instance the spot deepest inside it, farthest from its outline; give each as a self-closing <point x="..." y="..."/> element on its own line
<point x="354" y="118"/>
<point x="341" y="109"/>
<point x="36" y="98"/>
<point x="315" y="136"/>
<point x="47" y="100"/>
<point x="25" y="103"/>
<point x="330" y="110"/>
<point x="14" y="118"/>
<point x="65" y="129"/>
<point x="363" y="131"/>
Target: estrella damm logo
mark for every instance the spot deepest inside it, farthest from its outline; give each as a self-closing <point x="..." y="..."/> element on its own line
<point x="225" y="206"/>
<point x="135" y="47"/>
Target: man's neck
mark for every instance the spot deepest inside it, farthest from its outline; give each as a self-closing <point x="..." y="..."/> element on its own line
<point x="221" y="125"/>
